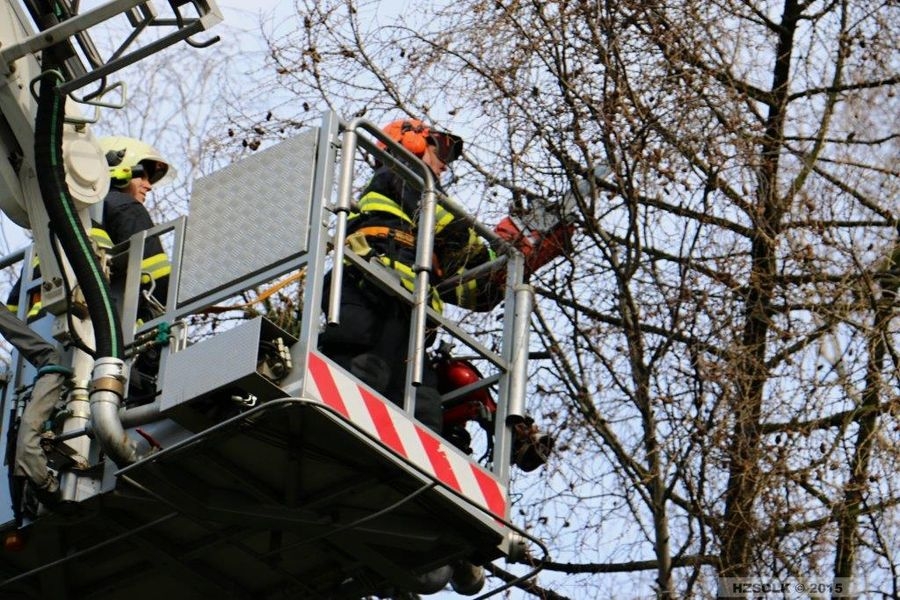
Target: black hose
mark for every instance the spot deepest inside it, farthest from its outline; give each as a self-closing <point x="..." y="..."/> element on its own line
<point x="64" y="219"/>
<point x="76" y="340"/>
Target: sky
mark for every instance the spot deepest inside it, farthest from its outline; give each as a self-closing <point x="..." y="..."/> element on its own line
<point x="237" y="11"/>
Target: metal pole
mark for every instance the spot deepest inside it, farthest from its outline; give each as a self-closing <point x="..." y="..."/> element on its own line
<point x="78" y="406"/>
<point x="342" y="209"/>
<point x="317" y="250"/>
<point x="422" y="269"/>
<point x="519" y="358"/>
<point x="511" y="397"/>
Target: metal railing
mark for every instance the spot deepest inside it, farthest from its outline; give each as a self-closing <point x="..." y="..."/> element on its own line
<point x="511" y="362"/>
<point x="507" y="367"/>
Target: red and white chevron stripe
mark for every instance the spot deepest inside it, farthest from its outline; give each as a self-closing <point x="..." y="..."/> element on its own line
<point x="396" y="430"/>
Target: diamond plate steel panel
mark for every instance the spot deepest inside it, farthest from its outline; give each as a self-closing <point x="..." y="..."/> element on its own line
<point x="211" y="364"/>
<point x="248" y="216"/>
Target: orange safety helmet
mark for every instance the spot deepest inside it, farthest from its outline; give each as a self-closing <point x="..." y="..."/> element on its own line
<point x="414" y="135"/>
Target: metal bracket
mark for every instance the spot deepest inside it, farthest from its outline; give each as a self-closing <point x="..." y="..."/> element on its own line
<point x="77" y="26"/>
<point x="63" y="31"/>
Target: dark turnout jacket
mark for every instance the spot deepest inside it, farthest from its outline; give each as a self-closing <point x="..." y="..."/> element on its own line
<point x="388" y="217"/>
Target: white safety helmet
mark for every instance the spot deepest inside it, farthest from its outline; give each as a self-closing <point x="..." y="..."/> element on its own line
<point x="129" y="158"/>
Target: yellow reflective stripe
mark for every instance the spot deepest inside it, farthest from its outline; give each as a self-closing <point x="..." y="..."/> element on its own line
<point x="156" y="266"/>
<point x="102" y="238"/>
<point x="442" y="217"/>
<point x="408" y="280"/>
<point x="475" y="244"/>
<point x="407" y="275"/>
<point x="375" y="202"/>
<point x="466" y="294"/>
<point x="97" y="234"/>
<point x="34" y="310"/>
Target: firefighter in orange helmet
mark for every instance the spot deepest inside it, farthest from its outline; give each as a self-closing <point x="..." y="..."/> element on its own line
<point x="372" y="339"/>
<point x="388" y="197"/>
<point x="373" y="336"/>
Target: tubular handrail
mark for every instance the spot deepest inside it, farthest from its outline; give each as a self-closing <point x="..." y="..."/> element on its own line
<point x="512" y="363"/>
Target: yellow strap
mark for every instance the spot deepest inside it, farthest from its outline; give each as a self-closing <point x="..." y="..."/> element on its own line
<point x="408" y="280"/>
<point x="284" y="282"/>
<point x="357" y="243"/>
<point x="262" y="296"/>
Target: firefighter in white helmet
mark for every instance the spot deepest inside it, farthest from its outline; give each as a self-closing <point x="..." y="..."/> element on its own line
<point x="134" y="168"/>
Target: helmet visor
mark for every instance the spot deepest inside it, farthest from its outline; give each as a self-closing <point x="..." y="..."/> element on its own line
<point x="153" y="170"/>
<point x="448" y="146"/>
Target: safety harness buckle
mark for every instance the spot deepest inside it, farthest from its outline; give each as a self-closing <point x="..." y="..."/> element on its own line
<point x="358" y="244"/>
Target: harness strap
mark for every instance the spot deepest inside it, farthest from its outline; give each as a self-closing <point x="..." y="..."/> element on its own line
<point x="402" y="237"/>
<point x="408" y="280"/>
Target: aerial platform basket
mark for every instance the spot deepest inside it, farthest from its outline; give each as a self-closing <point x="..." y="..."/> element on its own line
<point x="286" y="500"/>
<point x="307" y="484"/>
